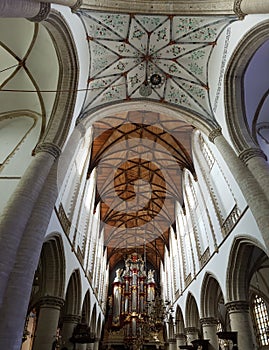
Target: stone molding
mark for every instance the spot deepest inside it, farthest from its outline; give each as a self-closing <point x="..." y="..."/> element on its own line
<point x="237" y="9"/>
<point x="195" y="7"/>
<point x="208" y="321"/>
<point x="171" y="340"/>
<point x="191" y="330"/>
<point x="48" y="147"/>
<point x="81" y="128"/>
<point x="77" y="5"/>
<point x="235" y="120"/>
<point x="51" y="302"/>
<point x="180" y="336"/>
<point x="59" y="125"/>
<point x="237" y="306"/>
<point x="249" y="153"/>
<point x="214" y="134"/>
<point x="71" y="319"/>
<point x="43" y="12"/>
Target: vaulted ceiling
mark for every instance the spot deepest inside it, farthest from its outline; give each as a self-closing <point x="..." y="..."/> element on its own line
<point x="161" y="58"/>
<point x="140" y="155"/>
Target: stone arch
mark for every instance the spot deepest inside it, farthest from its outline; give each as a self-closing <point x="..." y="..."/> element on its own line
<point x="246" y="256"/>
<point x="49" y="277"/>
<point x="73" y="295"/>
<point x="233" y="83"/>
<point x="171" y="330"/>
<point x="93" y="320"/>
<point x="211" y="297"/>
<point x="206" y="126"/>
<point x="61" y="119"/>
<point x="191" y="313"/>
<point x="99" y="327"/>
<point x="192" y="319"/>
<point x="86" y="306"/>
<point x="180" y="326"/>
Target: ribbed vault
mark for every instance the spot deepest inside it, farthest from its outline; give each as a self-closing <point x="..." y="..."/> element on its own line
<point x="139" y="157"/>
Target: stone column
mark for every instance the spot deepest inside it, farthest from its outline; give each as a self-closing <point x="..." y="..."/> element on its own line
<point x="70" y="3"/>
<point x="244" y="7"/>
<point x="180" y="339"/>
<point x="69" y="323"/>
<point x="256" y="162"/>
<point x="90" y="346"/>
<point x="34" y="10"/>
<point x="81" y="347"/>
<point x="250" y="188"/>
<point x="22" y="203"/>
<point x="96" y="344"/>
<point x="241" y="323"/>
<point x="209" y="325"/>
<point x="47" y="324"/>
<point x="191" y="334"/>
<point x="172" y="344"/>
<point x="33" y="208"/>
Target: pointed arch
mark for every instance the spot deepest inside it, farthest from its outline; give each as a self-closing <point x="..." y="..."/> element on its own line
<point x="245" y="255"/>
<point x="73" y="294"/>
<point x="65" y="47"/>
<point x="99" y="327"/>
<point x="233" y="83"/>
<point x="192" y="313"/>
<point x="211" y="297"/>
<point x="86" y="306"/>
<point x="180" y="325"/>
<point x="49" y="278"/>
<point x="93" y="326"/>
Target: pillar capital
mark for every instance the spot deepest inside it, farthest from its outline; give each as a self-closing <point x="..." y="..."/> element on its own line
<point x="81" y="128"/>
<point x="214" y="133"/>
<point x="48" y="147"/>
<point x="71" y="318"/>
<point x="43" y="12"/>
<point x="237" y="9"/>
<point x="171" y="340"/>
<point x="180" y="336"/>
<point x="237" y="306"/>
<point x="249" y="153"/>
<point x="51" y="302"/>
<point x="208" y="321"/>
<point x="76" y="6"/>
<point x="190" y="330"/>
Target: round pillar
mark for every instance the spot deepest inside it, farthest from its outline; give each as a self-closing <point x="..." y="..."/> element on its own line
<point x="47" y="324"/>
<point x="90" y="346"/>
<point x="33" y="204"/>
<point x="96" y="344"/>
<point x="191" y="334"/>
<point x="256" y="162"/>
<point x="180" y="339"/>
<point x="70" y="3"/>
<point x="172" y="344"/>
<point x="244" y="7"/>
<point x="22" y="203"/>
<point x="256" y="199"/>
<point x="69" y="323"/>
<point x="33" y="10"/>
<point x="241" y="323"/>
<point x="209" y="326"/>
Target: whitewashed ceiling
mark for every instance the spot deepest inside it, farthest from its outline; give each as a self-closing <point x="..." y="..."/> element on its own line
<point x="161" y="58"/>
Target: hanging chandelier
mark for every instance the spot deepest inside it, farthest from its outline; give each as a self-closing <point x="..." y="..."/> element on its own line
<point x="136" y="306"/>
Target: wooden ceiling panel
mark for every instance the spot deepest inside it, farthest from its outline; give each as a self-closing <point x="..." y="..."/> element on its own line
<point x="139" y="157"/>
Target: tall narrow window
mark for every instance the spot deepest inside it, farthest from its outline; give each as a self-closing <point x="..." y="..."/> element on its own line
<point x="261" y="320"/>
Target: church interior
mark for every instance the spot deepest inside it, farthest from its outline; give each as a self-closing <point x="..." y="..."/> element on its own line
<point x="134" y="175"/>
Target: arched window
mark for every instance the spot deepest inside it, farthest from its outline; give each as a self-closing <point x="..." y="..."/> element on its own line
<point x="261" y="319"/>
